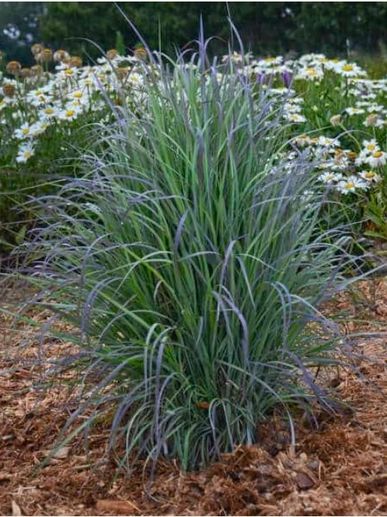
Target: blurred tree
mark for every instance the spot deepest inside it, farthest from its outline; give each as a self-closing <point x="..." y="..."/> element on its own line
<point x="265" y="27"/>
<point x="19" y="28"/>
<point x="340" y="26"/>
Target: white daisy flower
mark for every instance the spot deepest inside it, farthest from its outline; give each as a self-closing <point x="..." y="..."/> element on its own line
<point x="38" y="128"/>
<point x="370" y="146"/>
<point x="25" y="152"/>
<point x="23" y="132"/>
<point x="327" y="142"/>
<point x="69" y="113"/>
<point x="295" y="117"/>
<point x="67" y="72"/>
<point x="349" y="70"/>
<point x="370" y="176"/>
<point x="362" y="157"/>
<point x="79" y="96"/>
<point x="351" y="184"/>
<point x="375" y="108"/>
<point x="355" y="111"/>
<point x="377" y="159"/>
<point x="49" y="112"/>
<point x="330" y="177"/>
<point x="135" y="79"/>
<point x="38" y="97"/>
<point x="311" y="73"/>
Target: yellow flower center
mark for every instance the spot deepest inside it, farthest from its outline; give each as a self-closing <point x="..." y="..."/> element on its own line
<point x="25" y="130"/>
<point x="69" y="72"/>
<point x="349" y="185"/>
<point x="348" y="68"/>
<point x="369" y="174"/>
<point x="70" y="113"/>
<point x="78" y="95"/>
<point x="377" y="154"/>
<point x="311" y="71"/>
<point x="371" y="147"/>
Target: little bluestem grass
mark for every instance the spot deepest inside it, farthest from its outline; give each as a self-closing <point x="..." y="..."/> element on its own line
<point x="191" y="269"/>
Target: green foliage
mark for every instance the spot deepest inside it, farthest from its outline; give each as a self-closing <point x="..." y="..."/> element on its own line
<point x="375" y="64"/>
<point x="189" y="271"/>
<point x="265" y="27"/>
<point x="50" y="140"/>
<point x="19" y="29"/>
<point x="14" y="190"/>
<point x="120" y="45"/>
<point x="376" y="215"/>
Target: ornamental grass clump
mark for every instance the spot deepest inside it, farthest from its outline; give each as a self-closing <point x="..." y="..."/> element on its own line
<point x="190" y="262"/>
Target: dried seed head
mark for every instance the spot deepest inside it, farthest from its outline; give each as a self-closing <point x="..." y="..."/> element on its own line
<point x="36" y="70"/>
<point x="46" y="55"/>
<point x="37" y="49"/>
<point x="372" y="119"/>
<point x="335" y="120"/>
<point x="9" y="90"/>
<point x="140" y="53"/>
<point x="112" y="53"/>
<point x="61" y="56"/>
<point x="13" y="67"/>
<point x="122" y="72"/>
<point x="25" y="72"/>
<point x="75" y="61"/>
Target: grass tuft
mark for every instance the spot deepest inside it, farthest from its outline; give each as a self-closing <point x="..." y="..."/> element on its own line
<point x="191" y="268"/>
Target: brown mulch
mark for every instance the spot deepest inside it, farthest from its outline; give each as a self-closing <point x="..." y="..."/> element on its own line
<point x="339" y="469"/>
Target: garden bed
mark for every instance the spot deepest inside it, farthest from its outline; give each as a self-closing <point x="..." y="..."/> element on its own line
<point x="338" y="469"/>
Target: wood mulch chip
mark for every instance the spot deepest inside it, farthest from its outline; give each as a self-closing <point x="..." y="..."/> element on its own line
<point x="339" y="469"/>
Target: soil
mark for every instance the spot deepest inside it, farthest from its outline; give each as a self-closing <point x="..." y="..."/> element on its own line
<point x="337" y="469"/>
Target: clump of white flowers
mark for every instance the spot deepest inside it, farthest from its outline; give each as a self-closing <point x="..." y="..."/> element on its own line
<point x="35" y="102"/>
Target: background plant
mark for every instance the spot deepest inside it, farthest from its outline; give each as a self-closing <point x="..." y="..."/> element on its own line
<point x="331" y="107"/>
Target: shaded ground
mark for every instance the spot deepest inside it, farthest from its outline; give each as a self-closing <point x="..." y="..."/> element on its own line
<point x="338" y="470"/>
